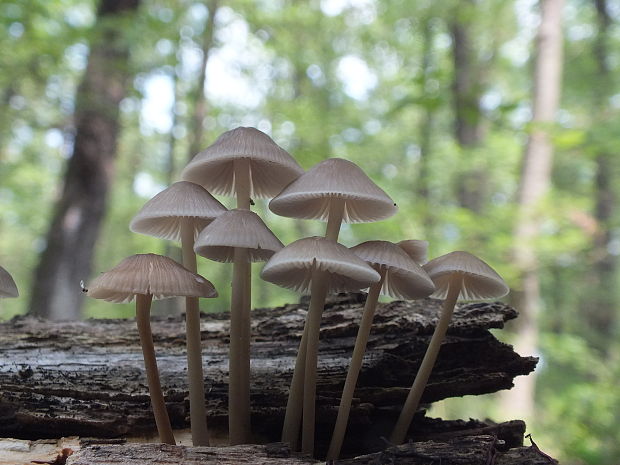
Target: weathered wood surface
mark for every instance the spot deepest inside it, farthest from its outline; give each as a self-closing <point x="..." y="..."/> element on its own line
<point x="86" y="378"/>
<point x="469" y="450"/>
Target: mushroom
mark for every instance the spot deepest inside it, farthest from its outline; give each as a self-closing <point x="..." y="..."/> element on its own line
<point x="145" y="277"/>
<point x="8" y="288"/>
<point x="243" y="163"/>
<point x="229" y="234"/>
<point x="416" y="249"/>
<point x="334" y="190"/>
<point x="317" y="265"/>
<point x="179" y="213"/>
<point x="457" y="276"/>
<point x="401" y="278"/>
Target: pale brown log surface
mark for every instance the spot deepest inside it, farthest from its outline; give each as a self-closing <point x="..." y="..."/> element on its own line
<point x="87" y="378"/>
<point x="471" y="450"/>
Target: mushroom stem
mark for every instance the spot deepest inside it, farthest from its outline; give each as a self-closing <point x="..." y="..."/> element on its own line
<point x="334" y="219"/>
<point x="239" y="377"/>
<point x="424" y="372"/>
<point x="354" y="368"/>
<point x="294" y="406"/>
<point x="238" y="420"/>
<point x="143" y="310"/>
<point x="315" y="311"/>
<point x="197" y="408"/>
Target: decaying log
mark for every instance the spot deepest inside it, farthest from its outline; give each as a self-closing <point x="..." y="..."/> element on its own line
<point x="470" y="450"/>
<point x="86" y="378"/>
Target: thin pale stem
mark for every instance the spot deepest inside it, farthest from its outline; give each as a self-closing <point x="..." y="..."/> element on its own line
<point x="421" y="379"/>
<point x="143" y="313"/>
<point x="354" y="369"/>
<point x="239" y="376"/>
<point x="334" y="219"/>
<point x="315" y="311"/>
<point x="238" y="414"/>
<point x="197" y="407"/>
<point x="294" y="405"/>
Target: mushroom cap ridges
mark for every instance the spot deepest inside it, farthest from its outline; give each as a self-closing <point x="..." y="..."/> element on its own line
<point x="271" y="167"/>
<point x="417" y="249"/>
<point x="293" y="266"/>
<point x="237" y="229"/>
<point x="404" y="278"/>
<point x="310" y="194"/>
<point x="8" y="288"/>
<point x="149" y="274"/>
<point x="480" y="281"/>
<point x="182" y="201"/>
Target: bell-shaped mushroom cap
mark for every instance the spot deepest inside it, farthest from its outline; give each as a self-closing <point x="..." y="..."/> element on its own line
<point x="310" y="194"/>
<point x="416" y="249"/>
<point x="404" y="278"/>
<point x="292" y="266"/>
<point x="149" y="274"/>
<point x="271" y="167"/>
<point x="480" y="281"/>
<point x="162" y="215"/>
<point x="237" y="229"/>
<point x="8" y="288"/>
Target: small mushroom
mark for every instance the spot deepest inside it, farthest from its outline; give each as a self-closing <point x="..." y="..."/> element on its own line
<point x="239" y="236"/>
<point x="179" y="213"/>
<point x="457" y="276"/>
<point x="334" y="190"/>
<point x="416" y="249"/>
<point x="8" y="288"/>
<point x="244" y="163"/>
<point x="146" y="277"/>
<point x="318" y="265"/>
<point x="401" y="278"/>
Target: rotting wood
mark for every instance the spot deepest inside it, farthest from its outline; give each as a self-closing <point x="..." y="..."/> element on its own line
<point x="86" y="378"/>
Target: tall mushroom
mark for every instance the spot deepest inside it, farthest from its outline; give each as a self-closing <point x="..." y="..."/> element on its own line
<point x="146" y="277"/>
<point x="244" y="163"/>
<point x="457" y="276"/>
<point x="8" y="288"/>
<point x="401" y="278"/>
<point x="334" y="190"/>
<point x="221" y="241"/>
<point x="179" y="213"/>
<point x="318" y="265"/>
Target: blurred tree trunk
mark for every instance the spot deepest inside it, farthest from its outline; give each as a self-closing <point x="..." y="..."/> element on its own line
<point x="534" y="183"/>
<point x="601" y="310"/>
<point x="79" y="211"/>
<point x="467" y="89"/>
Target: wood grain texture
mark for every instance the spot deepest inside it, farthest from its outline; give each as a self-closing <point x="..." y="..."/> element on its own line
<point x="87" y="378"/>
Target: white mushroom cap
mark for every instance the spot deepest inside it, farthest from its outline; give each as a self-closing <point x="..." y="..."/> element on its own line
<point x="404" y="278"/>
<point x="480" y="281"/>
<point x="292" y="267"/>
<point x="310" y="194"/>
<point x="237" y="229"/>
<point x="416" y="249"/>
<point x="162" y="215"/>
<point x="149" y="274"/>
<point x="8" y="288"/>
<point x="271" y="167"/>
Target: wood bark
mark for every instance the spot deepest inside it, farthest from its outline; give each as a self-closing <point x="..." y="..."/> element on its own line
<point x="78" y="213"/>
<point x="86" y="378"/>
<point x="534" y="183"/>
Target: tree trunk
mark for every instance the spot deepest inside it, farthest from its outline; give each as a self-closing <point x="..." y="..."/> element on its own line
<point x="534" y="183"/>
<point x="601" y="311"/>
<point x="78" y="214"/>
<point x="467" y="90"/>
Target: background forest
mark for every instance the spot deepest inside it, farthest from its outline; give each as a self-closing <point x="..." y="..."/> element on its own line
<point x="494" y="124"/>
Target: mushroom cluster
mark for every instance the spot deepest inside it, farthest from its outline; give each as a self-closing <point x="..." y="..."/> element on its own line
<point x="245" y="163"/>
